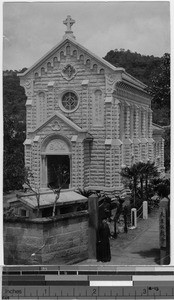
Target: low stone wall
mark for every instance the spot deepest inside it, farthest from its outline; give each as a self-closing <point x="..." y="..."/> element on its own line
<point x="63" y="240"/>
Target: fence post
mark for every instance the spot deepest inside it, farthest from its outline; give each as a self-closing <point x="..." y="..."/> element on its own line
<point x="93" y="225"/>
<point x="145" y="210"/>
<point x="134" y="217"/>
<point x="164" y="231"/>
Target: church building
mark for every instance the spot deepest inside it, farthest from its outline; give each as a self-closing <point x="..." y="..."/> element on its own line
<point x="88" y="116"/>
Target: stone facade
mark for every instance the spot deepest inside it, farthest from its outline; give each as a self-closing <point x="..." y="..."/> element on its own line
<point x="80" y="106"/>
<point x="63" y="240"/>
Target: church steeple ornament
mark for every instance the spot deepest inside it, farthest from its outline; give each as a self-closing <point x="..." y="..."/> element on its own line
<point x="69" y="23"/>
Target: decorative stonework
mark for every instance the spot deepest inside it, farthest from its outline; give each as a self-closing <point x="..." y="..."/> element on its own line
<point x="68" y="72"/>
<point x="56" y="126"/>
<point x="98" y="108"/>
<point x="28" y="87"/>
<point x="57" y="146"/>
<point x="110" y="80"/>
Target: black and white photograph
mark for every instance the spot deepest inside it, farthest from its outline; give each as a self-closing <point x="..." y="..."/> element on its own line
<point x="86" y="133"/>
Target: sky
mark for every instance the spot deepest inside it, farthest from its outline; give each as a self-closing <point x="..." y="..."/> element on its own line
<point x="30" y="29"/>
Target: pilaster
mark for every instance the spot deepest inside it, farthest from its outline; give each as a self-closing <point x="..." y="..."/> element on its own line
<point x="108" y="116"/>
<point x="28" y="153"/>
<point x="36" y="169"/>
<point x="85" y="115"/>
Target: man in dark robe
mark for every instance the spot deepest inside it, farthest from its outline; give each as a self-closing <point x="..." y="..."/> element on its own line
<point x="103" y="243"/>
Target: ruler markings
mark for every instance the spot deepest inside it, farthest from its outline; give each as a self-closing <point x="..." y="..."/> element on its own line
<point x="91" y="268"/>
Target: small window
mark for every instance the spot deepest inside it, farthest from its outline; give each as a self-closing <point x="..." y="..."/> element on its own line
<point x="23" y="213"/>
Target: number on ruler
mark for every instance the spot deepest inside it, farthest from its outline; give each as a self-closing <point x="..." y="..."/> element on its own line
<point x="94" y="292"/>
<point x="144" y="291"/>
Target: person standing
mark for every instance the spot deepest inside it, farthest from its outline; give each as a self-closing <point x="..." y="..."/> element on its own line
<point x="103" y="243"/>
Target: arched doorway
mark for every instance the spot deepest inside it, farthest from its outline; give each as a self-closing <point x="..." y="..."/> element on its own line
<point x="56" y="163"/>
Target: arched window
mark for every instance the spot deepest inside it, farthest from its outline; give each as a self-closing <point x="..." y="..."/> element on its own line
<point x="55" y="62"/>
<point x="98" y="108"/>
<point x="102" y="71"/>
<point x="42" y="71"/>
<point x="95" y="68"/>
<point x="62" y="55"/>
<point x="68" y="50"/>
<point x="75" y="53"/>
<point x="82" y="57"/>
<point x="41" y="108"/>
<point x="49" y="66"/>
<point x="88" y="63"/>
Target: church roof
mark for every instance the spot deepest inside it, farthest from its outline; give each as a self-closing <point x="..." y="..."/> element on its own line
<point x="75" y="43"/>
<point x="69" y="37"/>
<point x="47" y="199"/>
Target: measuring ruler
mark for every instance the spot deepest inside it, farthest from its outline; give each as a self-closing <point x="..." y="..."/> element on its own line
<point x="82" y="282"/>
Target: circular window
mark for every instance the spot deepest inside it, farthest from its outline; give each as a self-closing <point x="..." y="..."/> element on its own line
<point x="69" y="101"/>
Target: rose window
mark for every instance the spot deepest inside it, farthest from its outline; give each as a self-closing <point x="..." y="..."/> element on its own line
<point x="69" y="101"/>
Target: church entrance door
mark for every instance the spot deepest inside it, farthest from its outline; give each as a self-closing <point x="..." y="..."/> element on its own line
<point x="58" y="171"/>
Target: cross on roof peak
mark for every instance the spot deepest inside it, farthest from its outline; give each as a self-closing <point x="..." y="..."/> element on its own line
<point x="69" y="22"/>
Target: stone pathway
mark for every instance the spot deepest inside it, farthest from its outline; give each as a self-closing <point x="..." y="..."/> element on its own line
<point x="139" y="246"/>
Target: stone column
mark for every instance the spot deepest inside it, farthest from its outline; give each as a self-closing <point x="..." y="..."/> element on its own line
<point x="28" y="115"/>
<point x="108" y="163"/>
<point x="36" y="160"/>
<point x="93" y="226"/>
<point x="74" y="161"/>
<point x="136" y="134"/>
<point x="164" y="231"/>
<point x="85" y="115"/>
<point x="108" y="116"/>
<point x="44" y="171"/>
<point x="162" y="153"/>
<point x="127" y="121"/>
<point x="28" y="153"/>
<point x="145" y="210"/>
<point x="134" y="217"/>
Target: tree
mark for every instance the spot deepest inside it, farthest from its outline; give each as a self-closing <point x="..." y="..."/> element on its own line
<point x="140" y="173"/>
<point x="132" y="174"/>
<point x="13" y="154"/>
<point x="62" y="177"/>
<point x="150" y="172"/>
<point x="30" y="181"/>
<point x="14" y="131"/>
<point x="160" y="85"/>
<point x="167" y="138"/>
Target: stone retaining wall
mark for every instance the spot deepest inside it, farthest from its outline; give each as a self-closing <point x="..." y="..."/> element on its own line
<point x="63" y="240"/>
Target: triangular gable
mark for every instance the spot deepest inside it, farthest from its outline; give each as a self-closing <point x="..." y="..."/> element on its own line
<point x="125" y="76"/>
<point x="63" y="118"/>
<point x="73" y="42"/>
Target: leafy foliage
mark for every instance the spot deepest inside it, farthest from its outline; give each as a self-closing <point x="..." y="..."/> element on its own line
<point x="14" y="132"/>
<point x="140" y="66"/>
<point x="139" y="176"/>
